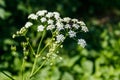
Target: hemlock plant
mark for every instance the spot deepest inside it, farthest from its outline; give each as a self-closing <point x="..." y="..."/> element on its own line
<point x="59" y="29"/>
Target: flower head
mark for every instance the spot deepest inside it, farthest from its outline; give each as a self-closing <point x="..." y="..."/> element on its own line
<point x="59" y="25"/>
<point x="41" y="13"/>
<point x="72" y="34"/>
<point x="50" y="27"/>
<point x="74" y="20"/>
<point x="50" y="21"/>
<point x="60" y="38"/>
<point x="43" y="19"/>
<point x="33" y="16"/>
<point x="49" y="14"/>
<point x="40" y="28"/>
<point x="56" y="15"/>
<point x="81" y="23"/>
<point x="84" y="28"/>
<point x="66" y="19"/>
<point x="67" y="26"/>
<point x="28" y="24"/>
<point x="76" y="26"/>
<point x="82" y="42"/>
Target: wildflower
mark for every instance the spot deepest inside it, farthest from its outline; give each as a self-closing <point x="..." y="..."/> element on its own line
<point x="74" y="20"/>
<point x="49" y="15"/>
<point x="33" y="16"/>
<point x="66" y="19"/>
<point x="67" y="26"/>
<point x="50" y="21"/>
<point x="43" y="19"/>
<point x="60" y="38"/>
<point x="72" y="34"/>
<point x="59" y="26"/>
<point x="56" y="15"/>
<point x="76" y="26"/>
<point x="82" y="42"/>
<point x="50" y="27"/>
<point x="81" y="23"/>
<point x="28" y="24"/>
<point x="40" y="28"/>
<point x="84" y="28"/>
<point x="41" y="13"/>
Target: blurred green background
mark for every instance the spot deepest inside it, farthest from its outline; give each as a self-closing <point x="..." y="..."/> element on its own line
<point x="100" y="60"/>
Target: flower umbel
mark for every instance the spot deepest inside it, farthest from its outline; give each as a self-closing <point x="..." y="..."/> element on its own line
<point x="28" y="24"/>
<point x="40" y="28"/>
<point x="82" y="42"/>
<point x="72" y="34"/>
<point x="50" y="30"/>
<point x="60" y="38"/>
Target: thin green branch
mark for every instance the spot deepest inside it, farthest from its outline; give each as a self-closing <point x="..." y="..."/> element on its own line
<point x="7" y="75"/>
<point x="33" y="68"/>
<point x="23" y="64"/>
<point x="41" y="41"/>
<point x="33" y="52"/>
<point x="38" y="68"/>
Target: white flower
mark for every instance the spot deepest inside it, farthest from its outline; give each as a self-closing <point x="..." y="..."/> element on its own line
<point x="43" y="19"/>
<point x="50" y="21"/>
<point x="72" y="34"/>
<point x="56" y="15"/>
<point x="33" y="16"/>
<point x="40" y="28"/>
<point x="82" y="42"/>
<point x="41" y="13"/>
<point x="66" y="19"/>
<point x="81" y="23"/>
<point x="49" y="15"/>
<point x="59" y="26"/>
<point x="76" y="26"/>
<point x="67" y="26"/>
<point x="74" y="20"/>
<point x="84" y="28"/>
<point x="50" y="27"/>
<point x="28" y="24"/>
<point x="60" y="38"/>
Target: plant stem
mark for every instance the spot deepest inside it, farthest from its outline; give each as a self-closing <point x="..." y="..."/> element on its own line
<point x="41" y="41"/>
<point x="38" y="68"/>
<point x="7" y="75"/>
<point x="33" y="52"/>
<point x="43" y="49"/>
<point x="33" y="68"/>
<point x="23" y="64"/>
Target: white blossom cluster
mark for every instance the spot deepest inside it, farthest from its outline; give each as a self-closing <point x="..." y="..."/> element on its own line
<point x="61" y="27"/>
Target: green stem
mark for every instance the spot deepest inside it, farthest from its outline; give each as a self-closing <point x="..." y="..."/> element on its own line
<point x="23" y="63"/>
<point x="33" y="68"/>
<point x="33" y="52"/>
<point x="38" y="68"/>
<point x="41" y="41"/>
<point x="43" y="50"/>
<point x="7" y="75"/>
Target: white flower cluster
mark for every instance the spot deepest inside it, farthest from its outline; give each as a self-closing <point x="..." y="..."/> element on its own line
<point x="61" y="27"/>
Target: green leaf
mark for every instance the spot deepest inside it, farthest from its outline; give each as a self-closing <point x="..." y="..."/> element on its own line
<point x="67" y="76"/>
<point x="2" y="3"/>
<point x="87" y="66"/>
<point x="4" y="14"/>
